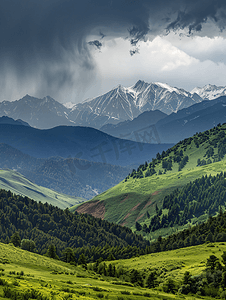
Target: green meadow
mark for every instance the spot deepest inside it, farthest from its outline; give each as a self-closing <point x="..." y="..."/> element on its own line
<point x="27" y="274"/>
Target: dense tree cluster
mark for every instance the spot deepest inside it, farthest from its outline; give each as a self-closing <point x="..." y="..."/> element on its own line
<point x="47" y="225"/>
<point x="214" y="230"/>
<point x="205" y="195"/>
<point x="212" y="282"/>
<point x="214" y="138"/>
<point x="141" y="278"/>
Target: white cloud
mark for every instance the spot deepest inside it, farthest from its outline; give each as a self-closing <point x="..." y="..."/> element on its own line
<point x="203" y="48"/>
<point x="184" y="63"/>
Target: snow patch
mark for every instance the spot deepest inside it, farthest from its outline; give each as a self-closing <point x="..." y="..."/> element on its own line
<point x="69" y="104"/>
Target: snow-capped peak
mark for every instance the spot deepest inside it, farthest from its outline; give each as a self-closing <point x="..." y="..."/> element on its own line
<point x="209" y="91"/>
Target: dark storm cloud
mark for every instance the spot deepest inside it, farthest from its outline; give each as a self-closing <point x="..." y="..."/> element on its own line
<point x="44" y="43"/>
<point x="194" y="14"/>
<point x="96" y="43"/>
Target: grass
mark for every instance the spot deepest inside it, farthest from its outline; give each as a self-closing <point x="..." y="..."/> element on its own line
<point x="175" y="263"/>
<point x="18" y="184"/>
<point x="58" y="280"/>
<point x="132" y="200"/>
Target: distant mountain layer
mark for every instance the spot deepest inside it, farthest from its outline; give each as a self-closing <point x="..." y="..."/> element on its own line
<point x="115" y="106"/>
<point x="71" y="176"/>
<point x="188" y="121"/>
<point x="174" y="127"/>
<point x="18" y="184"/>
<point x="40" y="113"/>
<point x="140" y="129"/>
<point x="78" y="142"/>
<point x="7" y="120"/>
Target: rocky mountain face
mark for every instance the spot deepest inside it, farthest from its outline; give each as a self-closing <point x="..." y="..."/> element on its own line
<point x="124" y="103"/>
<point x="39" y="113"/>
<point x="119" y="104"/>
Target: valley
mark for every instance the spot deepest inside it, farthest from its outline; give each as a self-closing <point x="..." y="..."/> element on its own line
<point x="136" y="211"/>
<point x="113" y="150"/>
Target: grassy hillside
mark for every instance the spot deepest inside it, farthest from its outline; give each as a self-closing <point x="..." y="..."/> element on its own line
<point x="18" y="184"/>
<point x="23" y="272"/>
<point x="135" y="198"/>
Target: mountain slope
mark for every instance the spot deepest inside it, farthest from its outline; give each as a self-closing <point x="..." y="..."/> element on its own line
<point x="139" y="129"/>
<point x="46" y="224"/>
<point x="188" y="121"/>
<point x="18" y="184"/>
<point x="124" y="103"/>
<point x="77" y="142"/>
<point x="71" y="176"/>
<point x="134" y="199"/>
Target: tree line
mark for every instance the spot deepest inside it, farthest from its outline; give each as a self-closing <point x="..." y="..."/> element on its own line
<point x="47" y="225"/>
<point x="215" y="138"/>
<point x="205" y="195"/>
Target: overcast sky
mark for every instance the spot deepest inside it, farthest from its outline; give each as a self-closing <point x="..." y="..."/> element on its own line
<point x="73" y="50"/>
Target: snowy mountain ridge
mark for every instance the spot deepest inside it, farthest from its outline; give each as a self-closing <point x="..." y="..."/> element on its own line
<point x="210" y="91"/>
<point x="117" y="105"/>
<point x="126" y="103"/>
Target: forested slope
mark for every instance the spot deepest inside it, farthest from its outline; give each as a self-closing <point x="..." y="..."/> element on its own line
<point x="46" y="224"/>
<point x="135" y="199"/>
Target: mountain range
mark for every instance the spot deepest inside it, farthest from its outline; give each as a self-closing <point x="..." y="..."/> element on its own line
<point x="123" y="103"/>
<point x="119" y="104"/>
<point x="157" y="127"/>
<point x="140" y="129"/>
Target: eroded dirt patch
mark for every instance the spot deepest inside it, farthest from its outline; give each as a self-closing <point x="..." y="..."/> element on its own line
<point x="126" y="216"/>
<point x="96" y="209"/>
<point x="135" y="207"/>
<point x="151" y="200"/>
<point x="155" y="193"/>
<point x="125" y="199"/>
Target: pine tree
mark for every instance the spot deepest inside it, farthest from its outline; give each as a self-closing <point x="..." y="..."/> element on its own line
<point x="151" y="280"/>
<point x="82" y="260"/>
<point x="15" y="239"/>
<point x="212" y="262"/>
<point x="51" y="252"/>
